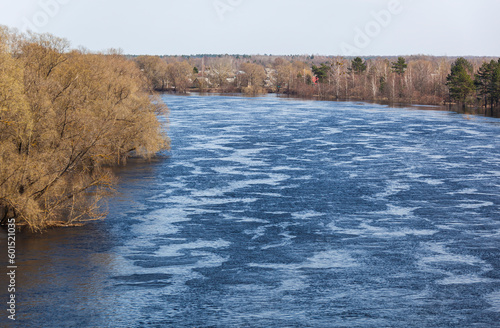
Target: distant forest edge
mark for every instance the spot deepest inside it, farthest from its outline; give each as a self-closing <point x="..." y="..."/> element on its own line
<point x="66" y="117"/>
<point x="426" y="80"/>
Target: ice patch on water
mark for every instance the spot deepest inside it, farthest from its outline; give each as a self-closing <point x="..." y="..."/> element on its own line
<point x="287" y="239"/>
<point x="482" y="147"/>
<point x="211" y="146"/>
<point x="273" y="179"/>
<point x="414" y="175"/>
<point x="442" y="255"/>
<point x="437" y="157"/>
<point x="326" y="130"/>
<point x="298" y="159"/>
<point x="234" y="170"/>
<point x="433" y="182"/>
<point x="247" y="157"/>
<point x="369" y="135"/>
<point x="393" y="188"/>
<point x="282" y="244"/>
<point x="303" y="177"/>
<point x="365" y="230"/>
<point x="464" y="280"/>
<point x="408" y="149"/>
<point x="190" y="202"/>
<point x="472" y="132"/>
<point x="398" y="210"/>
<point x="362" y="158"/>
<point x="381" y="122"/>
<point x="467" y="191"/>
<point x="243" y="219"/>
<point x="306" y="215"/>
<point x="258" y="232"/>
<point x="440" y="258"/>
<point x="471" y="204"/>
<point x="329" y="143"/>
<point x="494" y="300"/>
<point x="332" y="259"/>
<point x="349" y="231"/>
<point x="292" y="284"/>
<point x="267" y="194"/>
<point x="287" y="168"/>
<point x="161" y="221"/>
<point x="453" y="258"/>
<point x="478" y="176"/>
<point x="174" y="250"/>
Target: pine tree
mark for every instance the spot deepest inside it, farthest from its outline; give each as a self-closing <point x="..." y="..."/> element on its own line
<point x="484" y="81"/>
<point x="400" y="66"/>
<point x="459" y="81"/>
<point x="358" y="66"/>
<point x="495" y="85"/>
<point x="321" y="72"/>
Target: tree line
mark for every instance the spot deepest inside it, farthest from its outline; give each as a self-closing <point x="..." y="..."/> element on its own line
<point x="413" y="79"/>
<point x="67" y="117"/>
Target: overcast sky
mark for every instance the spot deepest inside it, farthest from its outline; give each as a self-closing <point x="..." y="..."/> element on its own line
<point x="280" y="27"/>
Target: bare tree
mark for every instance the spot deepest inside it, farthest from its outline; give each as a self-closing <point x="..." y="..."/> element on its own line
<point x="69" y="116"/>
<point x="180" y="74"/>
<point x="220" y="70"/>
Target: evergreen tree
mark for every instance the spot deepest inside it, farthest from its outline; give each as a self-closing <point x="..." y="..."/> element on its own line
<point x="382" y="82"/>
<point x="358" y="66"/>
<point x="308" y="79"/>
<point x="321" y="72"/>
<point x="496" y="84"/>
<point x="400" y="66"/>
<point x="485" y="81"/>
<point x="459" y="81"/>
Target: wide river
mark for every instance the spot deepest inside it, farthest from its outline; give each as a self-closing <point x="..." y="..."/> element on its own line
<point x="270" y="212"/>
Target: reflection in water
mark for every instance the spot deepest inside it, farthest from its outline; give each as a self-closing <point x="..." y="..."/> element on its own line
<point x="284" y="213"/>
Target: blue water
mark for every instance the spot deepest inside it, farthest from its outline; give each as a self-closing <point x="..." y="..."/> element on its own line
<point x="285" y="213"/>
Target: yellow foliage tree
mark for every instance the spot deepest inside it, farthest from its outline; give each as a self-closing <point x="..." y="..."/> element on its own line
<point x="66" y="118"/>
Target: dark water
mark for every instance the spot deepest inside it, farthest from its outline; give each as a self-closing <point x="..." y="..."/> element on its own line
<point x="286" y="213"/>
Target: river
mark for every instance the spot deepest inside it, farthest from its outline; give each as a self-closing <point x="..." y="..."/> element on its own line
<point x="272" y="212"/>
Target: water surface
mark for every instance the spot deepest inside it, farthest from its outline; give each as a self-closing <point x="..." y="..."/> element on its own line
<point x="286" y="213"/>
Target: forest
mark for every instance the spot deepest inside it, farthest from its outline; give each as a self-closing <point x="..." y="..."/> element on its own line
<point x="66" y="118"/>
<point x="426" y="80"/>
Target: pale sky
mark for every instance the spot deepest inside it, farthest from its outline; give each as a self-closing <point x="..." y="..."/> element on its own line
<point x="279" y="27"/>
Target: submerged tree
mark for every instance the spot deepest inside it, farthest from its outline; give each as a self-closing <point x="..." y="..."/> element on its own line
<point x="283" y="76"/>
<point x="220" y="70"/>
<point x="487" y="82"/>
<point x="253" y="78"/>
<point x="460" y="82"/>
<point x="65" y="118"/>
<point x="180" y="74"/>
<point x="155" y="70"/>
